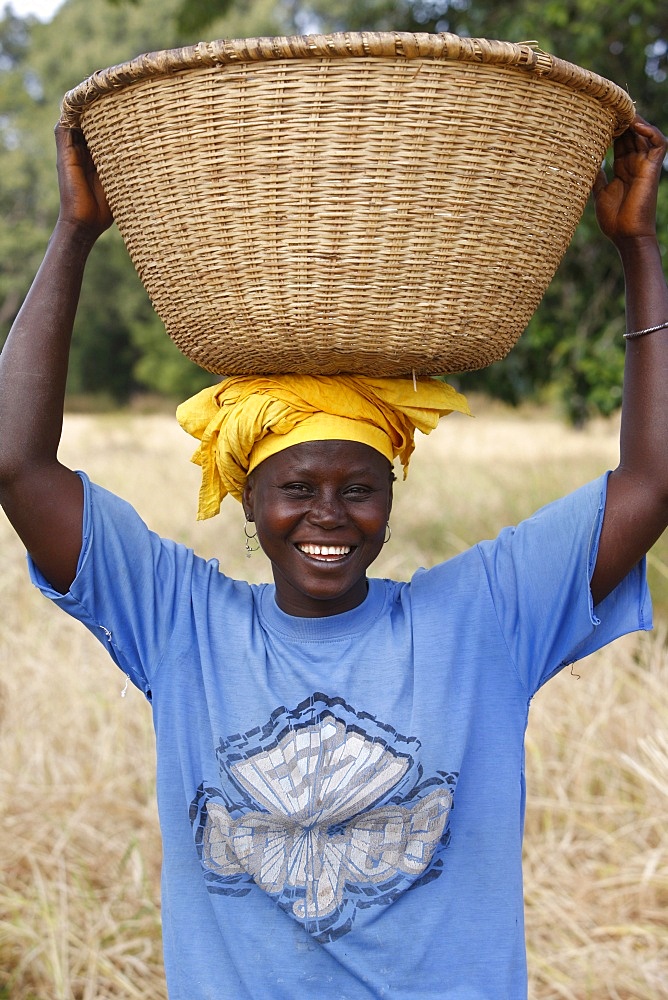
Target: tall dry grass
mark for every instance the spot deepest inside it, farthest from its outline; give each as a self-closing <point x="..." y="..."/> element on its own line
<point x="79" y="844"/>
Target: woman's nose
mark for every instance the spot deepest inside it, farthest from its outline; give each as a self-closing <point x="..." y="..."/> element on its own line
<point x="327" y="511"/>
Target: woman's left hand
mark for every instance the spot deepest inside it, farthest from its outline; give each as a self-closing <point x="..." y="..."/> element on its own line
<point x="626" y="204"/>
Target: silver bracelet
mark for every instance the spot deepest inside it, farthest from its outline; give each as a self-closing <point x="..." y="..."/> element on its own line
<point x="650" y="329"/>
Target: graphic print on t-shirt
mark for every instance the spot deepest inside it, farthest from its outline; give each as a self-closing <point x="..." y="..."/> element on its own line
<point x="324" y="808"/>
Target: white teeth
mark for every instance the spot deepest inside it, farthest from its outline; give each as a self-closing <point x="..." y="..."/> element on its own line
<point x="324" y="550"/>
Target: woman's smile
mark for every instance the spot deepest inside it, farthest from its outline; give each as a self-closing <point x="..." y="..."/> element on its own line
<point x="325" y="553"/>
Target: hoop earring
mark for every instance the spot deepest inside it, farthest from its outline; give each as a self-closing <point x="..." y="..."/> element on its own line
<point x="388" y="533"/>
<point x="249" y="538"/>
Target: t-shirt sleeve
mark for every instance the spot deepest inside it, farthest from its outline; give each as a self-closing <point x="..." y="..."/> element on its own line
<point x="128" y="585"/>
<point x="539" y="577"/>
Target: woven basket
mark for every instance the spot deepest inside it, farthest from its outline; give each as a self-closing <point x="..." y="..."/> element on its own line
<point x="365" y="203"/>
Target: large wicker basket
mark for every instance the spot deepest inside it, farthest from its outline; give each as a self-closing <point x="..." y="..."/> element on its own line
<point x="364" y="203"/>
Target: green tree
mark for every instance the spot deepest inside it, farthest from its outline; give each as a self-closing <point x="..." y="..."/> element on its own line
<point x="24" y="213"/>
<point x="116" y="325"/>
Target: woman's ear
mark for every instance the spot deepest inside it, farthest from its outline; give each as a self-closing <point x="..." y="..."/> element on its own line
<point x="247" y="500"/>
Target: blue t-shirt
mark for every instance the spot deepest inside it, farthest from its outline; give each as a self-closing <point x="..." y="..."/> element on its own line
<point x="341" y="799"/>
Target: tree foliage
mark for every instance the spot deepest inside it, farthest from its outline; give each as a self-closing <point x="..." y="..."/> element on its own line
<point x="572" y="349"/>
<point x="116" y="325"/>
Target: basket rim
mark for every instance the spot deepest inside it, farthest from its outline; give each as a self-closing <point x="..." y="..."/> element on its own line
<point x="445" y="46"/>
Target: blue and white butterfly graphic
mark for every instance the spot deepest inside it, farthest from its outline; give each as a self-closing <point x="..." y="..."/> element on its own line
<point x="326" y="810"/>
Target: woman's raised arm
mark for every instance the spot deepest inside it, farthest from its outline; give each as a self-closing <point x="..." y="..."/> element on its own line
<point x="637" y="506"/>
<point x="41" y="497"/>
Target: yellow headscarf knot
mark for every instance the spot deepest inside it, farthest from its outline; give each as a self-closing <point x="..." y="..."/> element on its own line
<point x="245" y="419"/>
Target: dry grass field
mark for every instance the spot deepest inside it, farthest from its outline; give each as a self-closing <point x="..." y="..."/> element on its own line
<point x="79" y="843"/>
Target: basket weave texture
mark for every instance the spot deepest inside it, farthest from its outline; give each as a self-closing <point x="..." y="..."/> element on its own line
<point x="365" y="203"/>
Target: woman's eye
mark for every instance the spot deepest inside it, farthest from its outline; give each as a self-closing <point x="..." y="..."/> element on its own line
<point x="299" y="489"/>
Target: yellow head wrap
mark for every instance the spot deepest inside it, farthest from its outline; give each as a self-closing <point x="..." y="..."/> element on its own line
<point x="245" y="419"/>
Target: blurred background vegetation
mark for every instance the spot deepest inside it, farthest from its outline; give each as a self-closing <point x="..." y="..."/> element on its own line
<point x="572" y="352"/>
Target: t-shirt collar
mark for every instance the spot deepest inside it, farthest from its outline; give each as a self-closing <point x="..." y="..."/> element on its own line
<point x="344" y="625"/>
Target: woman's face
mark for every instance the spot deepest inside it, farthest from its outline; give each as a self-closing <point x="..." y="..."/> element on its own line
<point x="320" y="510"/>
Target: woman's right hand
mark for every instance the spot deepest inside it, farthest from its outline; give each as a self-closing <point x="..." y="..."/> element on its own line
<point x="83" y="203"/>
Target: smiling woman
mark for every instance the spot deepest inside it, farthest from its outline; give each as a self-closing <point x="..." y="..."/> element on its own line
<point x="310" y="459"/>
<point x="340" y="758"/>
<point x="321" y="511"/>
